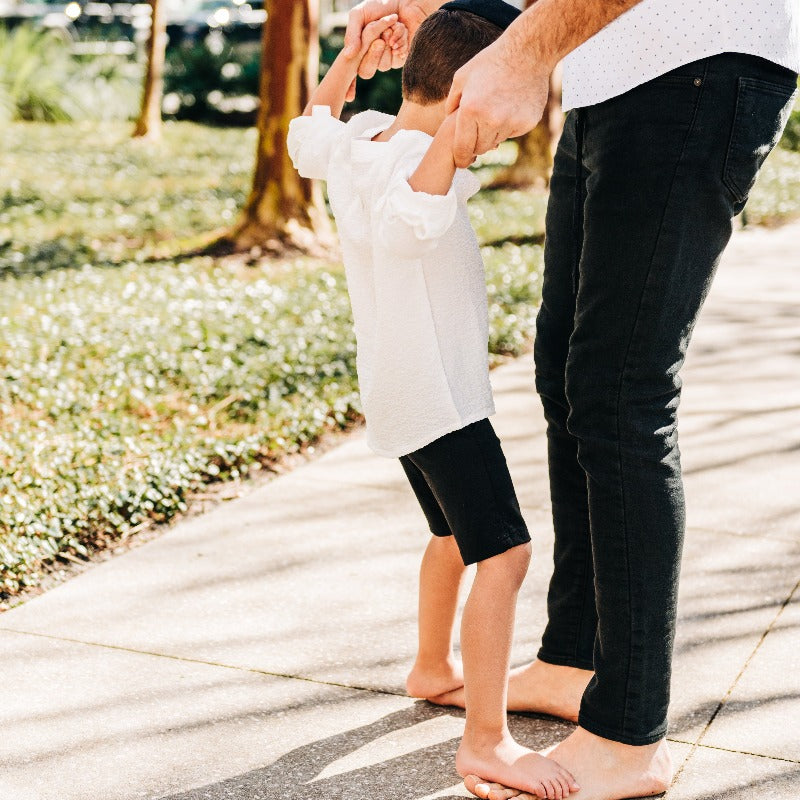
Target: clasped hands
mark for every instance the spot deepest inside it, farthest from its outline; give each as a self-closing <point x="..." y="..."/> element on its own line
<point x="494" y="96"/>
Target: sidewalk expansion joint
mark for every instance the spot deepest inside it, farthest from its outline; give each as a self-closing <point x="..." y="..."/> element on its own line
<point x="206" y="663"/>
<point x="723" y="702"/>
<point x="733" y="750"/>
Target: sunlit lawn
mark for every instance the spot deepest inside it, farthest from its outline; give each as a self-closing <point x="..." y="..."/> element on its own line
<point x="129" y="382"/>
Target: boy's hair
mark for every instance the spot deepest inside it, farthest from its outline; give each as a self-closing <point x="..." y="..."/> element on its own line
<point x="444" y="42"/>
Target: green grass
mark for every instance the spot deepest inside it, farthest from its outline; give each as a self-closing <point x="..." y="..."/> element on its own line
<point x="89" y="194"/>
<point x="128" y="383"/>
<point x="775" y="199"/>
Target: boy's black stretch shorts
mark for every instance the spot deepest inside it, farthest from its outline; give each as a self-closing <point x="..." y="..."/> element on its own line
<point x="462" y="483"/>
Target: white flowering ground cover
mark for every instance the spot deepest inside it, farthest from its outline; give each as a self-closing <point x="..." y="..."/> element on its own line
<point x="128" y="381"/>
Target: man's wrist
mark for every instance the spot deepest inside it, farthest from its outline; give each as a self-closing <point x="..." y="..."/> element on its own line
<point x="520" y="48"/>
<point x="429" y="6"/>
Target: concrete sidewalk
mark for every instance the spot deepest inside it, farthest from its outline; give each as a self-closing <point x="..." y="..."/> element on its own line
<point x="258" y="652"/>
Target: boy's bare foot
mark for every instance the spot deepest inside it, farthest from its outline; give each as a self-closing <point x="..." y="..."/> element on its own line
<point x="538" y="686"/>
<point x="428" y="682"/>
<point x="504" y="760"/>
<point x="605" y="770"/>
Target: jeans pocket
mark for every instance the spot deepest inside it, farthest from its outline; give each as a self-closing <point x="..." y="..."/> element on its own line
<point x="762" y="110"/>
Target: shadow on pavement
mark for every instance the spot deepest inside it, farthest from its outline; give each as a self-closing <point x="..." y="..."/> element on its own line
<point x="417" y="774"/>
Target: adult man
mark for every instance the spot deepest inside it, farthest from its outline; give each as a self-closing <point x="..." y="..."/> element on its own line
<point x="675" y="104"/>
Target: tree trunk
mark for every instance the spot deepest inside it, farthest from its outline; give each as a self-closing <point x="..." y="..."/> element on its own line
<point x="283" y="211"/>
<point x="149" y="122"/>
<point x="534" y="163"/>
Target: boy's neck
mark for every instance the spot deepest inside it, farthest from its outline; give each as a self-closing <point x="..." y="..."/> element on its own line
<point x="415" y="117"/>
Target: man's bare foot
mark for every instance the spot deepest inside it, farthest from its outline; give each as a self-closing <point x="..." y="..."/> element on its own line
<point x="429" y="681"/>
<point x="540" y="687"/>
<point x="605" y="770"/>
<point x="504" y="760"/>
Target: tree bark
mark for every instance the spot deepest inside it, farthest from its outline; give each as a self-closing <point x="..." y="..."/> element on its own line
<point x="534" y="163"/>
<point x="283" y="211"/>
<point x="149" y="123"/>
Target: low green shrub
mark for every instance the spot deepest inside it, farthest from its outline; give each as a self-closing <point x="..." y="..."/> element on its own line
<point x="125" y="390"/>
<point x="791" y="136"/>
<point x="41" y="81"/>
<point x="34" y="69"/>
<point x="203" y="83"/>
<point x="776" y="195"/>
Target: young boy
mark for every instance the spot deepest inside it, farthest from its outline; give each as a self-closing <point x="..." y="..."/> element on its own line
<point x="417" y="288"/>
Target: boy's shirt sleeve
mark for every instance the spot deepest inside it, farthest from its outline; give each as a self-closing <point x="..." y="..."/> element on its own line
<point x="410" y="223"/>
<point x="311" y="141"/>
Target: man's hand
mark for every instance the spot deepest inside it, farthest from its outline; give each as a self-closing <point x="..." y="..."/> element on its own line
<point x="338" y="84"/>
<point x="502" y="92"/>
<point x="411" y="14"/>
<point x="383" y="45"/>
<point x="495" y="100"/>
<point x="382" y="36"/>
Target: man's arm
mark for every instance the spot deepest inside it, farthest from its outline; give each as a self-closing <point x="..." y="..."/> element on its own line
<point x="502" y="92"/>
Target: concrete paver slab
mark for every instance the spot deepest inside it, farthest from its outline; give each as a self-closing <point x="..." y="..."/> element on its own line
<point x="731" y="589"/>
<point x="761" y="715"/>
<point x="409" y="754"/>
<point x="290" y="580"/>
<point x="721" y="775"/>
<point x="741" y="471"/>
<point x="94" y="723"/>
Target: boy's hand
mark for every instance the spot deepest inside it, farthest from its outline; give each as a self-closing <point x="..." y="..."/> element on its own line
<point x="372" y="38"/>
<point x="384" y="45"/>
<point x="411" y="14"/>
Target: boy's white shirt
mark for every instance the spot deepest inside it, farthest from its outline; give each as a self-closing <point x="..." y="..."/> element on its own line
<point x="415" y="278"/>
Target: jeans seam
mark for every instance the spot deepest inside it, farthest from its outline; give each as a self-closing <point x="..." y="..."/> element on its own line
<point x="582" y="617"/>
<point x="619" y="394"/>
<point x="577" y="226"/>
<point x="579" y="198"/>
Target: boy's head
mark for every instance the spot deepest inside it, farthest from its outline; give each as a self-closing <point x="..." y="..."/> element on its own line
<point x="446" y="40"/>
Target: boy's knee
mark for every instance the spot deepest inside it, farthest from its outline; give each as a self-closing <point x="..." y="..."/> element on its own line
<point x="513" y="563"/>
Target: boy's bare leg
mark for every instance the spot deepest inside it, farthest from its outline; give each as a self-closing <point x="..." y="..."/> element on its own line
<point x="540" y="687"/>
<point x="488" y="748"/>
<point x="436" y="670"/>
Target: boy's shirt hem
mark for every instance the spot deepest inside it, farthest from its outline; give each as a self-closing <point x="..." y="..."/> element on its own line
<point x="432" y="436"/>
<point x="415" y="278"/>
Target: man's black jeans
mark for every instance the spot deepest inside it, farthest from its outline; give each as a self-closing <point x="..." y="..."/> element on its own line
<point x="644" y="189"/>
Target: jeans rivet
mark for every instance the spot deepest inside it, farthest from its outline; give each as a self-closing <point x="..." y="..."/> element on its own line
<point x="698" y="81"/>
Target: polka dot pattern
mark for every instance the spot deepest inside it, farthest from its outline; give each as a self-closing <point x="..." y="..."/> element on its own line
<point x="657" y="36"/>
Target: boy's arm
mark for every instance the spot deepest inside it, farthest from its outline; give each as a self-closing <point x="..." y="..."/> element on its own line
<point x="333" y="88"/>
<point x="313" y="136"/>
<point x="418" y="209"/>
<point x="436" y="171"/>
